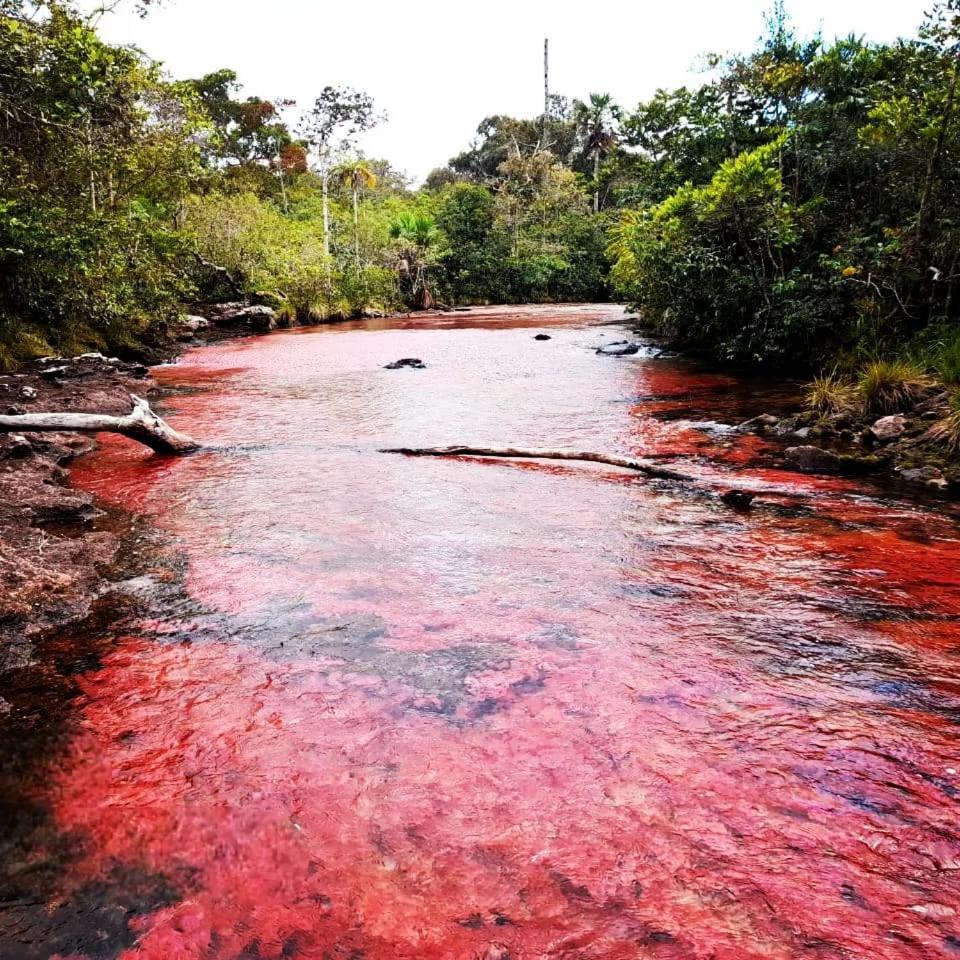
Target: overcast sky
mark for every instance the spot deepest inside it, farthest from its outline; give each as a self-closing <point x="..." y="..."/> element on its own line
<point x="439" y="67"/>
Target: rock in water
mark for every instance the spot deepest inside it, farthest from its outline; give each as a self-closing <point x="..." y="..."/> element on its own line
<point x="543" y="336"/>
<point x="812" y="460"/>
<point x="622" y="348"/>
<point x="761" y="424"/>
<point x="738" y="499"/>
<point x="255" y="316"/>
<point x="930" y="477"/>
<point x="414" y="363"/>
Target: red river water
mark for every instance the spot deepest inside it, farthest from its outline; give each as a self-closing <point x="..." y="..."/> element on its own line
<point x="411" y="708"/>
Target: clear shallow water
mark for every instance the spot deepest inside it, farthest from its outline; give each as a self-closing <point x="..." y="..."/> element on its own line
<point x="420" y="708"/>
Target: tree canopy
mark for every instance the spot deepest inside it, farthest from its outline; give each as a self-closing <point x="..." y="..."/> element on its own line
<point x="800" y="202"/>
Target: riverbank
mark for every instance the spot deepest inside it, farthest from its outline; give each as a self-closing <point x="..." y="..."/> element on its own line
<point x="56" y="543"/>
<point x="907" y="446"/>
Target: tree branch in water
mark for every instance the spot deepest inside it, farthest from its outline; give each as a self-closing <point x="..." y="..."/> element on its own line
<point x="513" y="453"/>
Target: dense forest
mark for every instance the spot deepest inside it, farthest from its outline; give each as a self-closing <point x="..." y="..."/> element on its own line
<point x="801" y="206"/>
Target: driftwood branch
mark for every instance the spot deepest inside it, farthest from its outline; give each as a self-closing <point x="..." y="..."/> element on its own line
<point x="627" y="463"/>
<point x="142" y="424"/>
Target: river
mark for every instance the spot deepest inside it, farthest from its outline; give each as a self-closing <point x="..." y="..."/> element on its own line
<point x="382" y="707"/>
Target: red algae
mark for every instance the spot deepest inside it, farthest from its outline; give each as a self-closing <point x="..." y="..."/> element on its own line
<point x="454" y="709"/>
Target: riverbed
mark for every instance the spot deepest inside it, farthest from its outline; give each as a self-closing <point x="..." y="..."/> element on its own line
<point x="375" y="706"/>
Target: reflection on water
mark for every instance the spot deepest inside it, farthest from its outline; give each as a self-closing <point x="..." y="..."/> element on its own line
<point x="411" y="708"/>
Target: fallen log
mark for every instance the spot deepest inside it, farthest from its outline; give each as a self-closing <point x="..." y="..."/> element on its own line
<point x="142" y="425"/>
<point x="627" y="463"/>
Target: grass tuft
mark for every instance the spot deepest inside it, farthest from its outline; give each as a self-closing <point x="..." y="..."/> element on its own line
<point x="947" y="430"/>
<point x="892" y="386"/>
<point x="831" y="394"/>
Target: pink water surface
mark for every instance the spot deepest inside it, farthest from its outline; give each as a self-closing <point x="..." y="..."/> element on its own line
<point x="472" y="709"/>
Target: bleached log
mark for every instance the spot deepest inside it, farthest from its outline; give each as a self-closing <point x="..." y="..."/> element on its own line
<point x="142" y="425"/>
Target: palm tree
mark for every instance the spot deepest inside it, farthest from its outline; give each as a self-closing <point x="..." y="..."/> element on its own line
<point x="416" y="234"/>
<point x="357" y="175"/>
<point x="596" y="125"/>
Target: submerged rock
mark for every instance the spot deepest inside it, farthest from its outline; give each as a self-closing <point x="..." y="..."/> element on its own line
<point x="414" y="363"/>
<point x="929" y="476"/>
<point x="808" y="459"/>
<point x="621" y="348"/>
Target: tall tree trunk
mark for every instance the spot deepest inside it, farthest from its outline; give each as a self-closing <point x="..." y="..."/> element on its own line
<point x="325" y="190"/>
<point x="546" y="94"/>
<point x="596" y="180"/>
<point x="93" y="179"/>
<point x="356" y="227"/>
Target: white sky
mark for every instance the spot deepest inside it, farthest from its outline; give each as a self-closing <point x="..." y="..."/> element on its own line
<point x="439" y="67"/>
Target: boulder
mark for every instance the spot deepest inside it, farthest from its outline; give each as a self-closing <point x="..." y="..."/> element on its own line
<point x="28" y="393"/>
<point x="621" y="348"/>
<point x="809" y="459"/>
<point x="188" y="328"/>
<point x="887" y="429"/>
<point x="18" y="446"/>
<point x="258" y="317"/>
<point x="543" y="336"/>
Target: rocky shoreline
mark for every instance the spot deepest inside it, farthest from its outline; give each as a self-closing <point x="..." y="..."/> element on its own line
<point x="901" y="446"/>
<point x="55" y="542"/>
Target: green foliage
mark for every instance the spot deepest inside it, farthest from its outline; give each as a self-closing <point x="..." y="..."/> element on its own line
<point x="715" y="266"/>
<point x="269" y="250"/>
<point x="96" y="154"/>
<point x="802" y="205"/>
<point x="947" y="358"/>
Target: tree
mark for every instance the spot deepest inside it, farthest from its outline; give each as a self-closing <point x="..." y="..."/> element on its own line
<point x="338" y="116"/>
<point x="596" y="124"/>
<point x="97" y="155"/>
<point x="356" y="175"/>
<point x="417" y="239"/>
